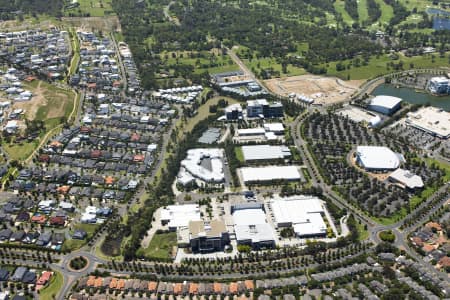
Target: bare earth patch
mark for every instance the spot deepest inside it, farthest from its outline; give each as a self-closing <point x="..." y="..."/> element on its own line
<point x="324" y="90"/>
<point x="31" y="107"/>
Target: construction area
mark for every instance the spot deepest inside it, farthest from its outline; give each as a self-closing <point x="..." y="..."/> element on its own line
<point x="323" y="90"/>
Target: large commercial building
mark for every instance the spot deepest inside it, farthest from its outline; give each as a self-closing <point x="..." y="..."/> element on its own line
<point x="208" y="236"/>
<point x="265" y="152"/>
<point x="203" y="164"/>
<point x="270" y="132"/>
<point x="251" y="228"/>
<point x="374" y="158"/>
<point x="233" y="112"/>
<point x="406" y="179"/>
<point x="385" y="104"/>
<point x="303" y="213"/>
<point x="260" y="108"/>
<point x="270" y="173"/>
<point x="176" y="216"/>
<point x="433" y="120"/>
<point x="439" y="85"/>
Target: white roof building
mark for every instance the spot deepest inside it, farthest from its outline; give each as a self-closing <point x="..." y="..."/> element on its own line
<point x="406" y="178"/>
<point x="265" y="152"/>
<point x="432" y="120"/>
<point x="269" y="173"/>
<point x="274" y="127"/>
<point x="251" y="131"/>
<point x="377" y="158"/>
<point x="388" y="102"/>
<point x="303" y="213"/>
<point x="209" y="172"/>
<point x="180" y="215"/>
<point x="250" y="226"/>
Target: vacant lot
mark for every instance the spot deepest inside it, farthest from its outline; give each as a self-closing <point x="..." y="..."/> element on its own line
<point x="160" y="247"/>
<point x="324" y="90"/>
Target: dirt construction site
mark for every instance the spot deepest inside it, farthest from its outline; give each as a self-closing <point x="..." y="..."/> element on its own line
<point x="324" y="90"/>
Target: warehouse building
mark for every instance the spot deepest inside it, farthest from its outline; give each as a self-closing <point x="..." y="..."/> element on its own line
<point x="265" y="152"/>
<point x="202" y="164"/>
<point x="176" y="216"/>
<point x="303" y="213"/>
<point x="406" y="179"/>
<point x="270" y="173"/>
<point x="374" y="158"/>
<point x="251" y="228"/>
<point x="208" y="236"/>
<point x="385" y="104"/>
<point x="432" y="120"/>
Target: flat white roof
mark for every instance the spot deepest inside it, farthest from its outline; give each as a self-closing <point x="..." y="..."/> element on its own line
<point x="193" y="164"/>
<point x="257" y="102"/>
<point x="180" y="215"/>
<point x="439" y="80"/>
<point x="274" y="127"/>
<point x="262" y="152"/>
<point x="270" y="173"/>
<point x="247" y="217"/>
<point x="385" y="101"/>
<point x="256" y="233"/>
<point x="359" y="115"/>
<point x="251" y="131"/>
<point x="407" y="178"/>
<point x="233" y="107"/>
<point x="315" y="226"/>
<point x="375" y="157"/>
<point x="295" y="209"/>
<point x="432" y="120"/>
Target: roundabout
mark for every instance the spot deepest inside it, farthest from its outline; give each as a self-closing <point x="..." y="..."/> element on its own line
<point x="78" y="264"/>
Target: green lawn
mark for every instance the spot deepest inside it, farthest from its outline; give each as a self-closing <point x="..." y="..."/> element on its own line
<point x="378" y="66"/>
<point x="239" y="154"/>
<point x="211" y="61"/>
<point x="55" y="285"/>
<point x="95" y="8"/>
<point x="71" y="244"/>
<point x="362" y="11"/>
<point x="203" y="112"/>
<point x="256" y="65"/>
<point x="160" y="246"/>
<point x="339" y="5"/>
<point x="387" y="12"/>
<point x="363" y="234"/>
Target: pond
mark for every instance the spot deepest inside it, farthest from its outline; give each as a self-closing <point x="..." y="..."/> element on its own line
<point x="412" y="96"/>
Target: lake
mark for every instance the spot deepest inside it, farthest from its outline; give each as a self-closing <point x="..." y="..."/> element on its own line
<point x="411" y="96"/>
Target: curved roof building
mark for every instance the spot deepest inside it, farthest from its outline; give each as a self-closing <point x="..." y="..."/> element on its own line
<point x="377" y="158"/>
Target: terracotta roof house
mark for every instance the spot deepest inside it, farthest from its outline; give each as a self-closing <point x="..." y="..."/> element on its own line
<point x="217" y="288"/>
<point x="57" y="221"/>
<point x="113" y="284"/>
<point x="233" y="288"/>
<point x="193" y="288"/>
<point x="121" y="284"/>
<point x="38" y="218"/>
<point x="417" y="241"/>
<point x="98" y="282"/>
<point x="434" y="225"/>
<point x="138" y="158"/>
<point x="152" y="285"/>
<point x="178" y="289"/>
<point x="109" y="180"/>
<point x="64" y="189"/>
<point x="249" y="285"/>
<point x="444" y="262"/>
<point x="44" y="278"/>
<point x="91" y="281"/>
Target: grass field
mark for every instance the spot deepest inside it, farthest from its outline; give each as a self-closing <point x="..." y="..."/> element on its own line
<point x="362" y="11"/>
<point x="387" y="12"/>
<point x="55" y="285"/>
<point x="212" y="61"/>
<point x="256" y="65"/>
<point x="94" y="8"/>
<point x="239" y="154"/>
<point x="71" y="244"/>
<point x="339" y="6"/>
<point x="378" y="66"/>
<point x="160" y="246"/>
<point x="363" y="234"/>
